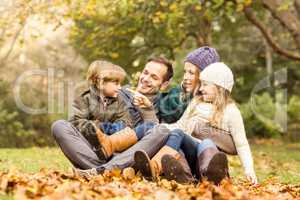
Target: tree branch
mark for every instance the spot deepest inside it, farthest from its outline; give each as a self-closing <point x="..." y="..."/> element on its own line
<point x="4" y="58"/>
<point x="297" y="7"/>
<point x="267" y="34"/>
<point x="286" y="17"/>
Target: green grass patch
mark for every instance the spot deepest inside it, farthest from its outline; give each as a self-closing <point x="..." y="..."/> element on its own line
<point x="272" y="159"/>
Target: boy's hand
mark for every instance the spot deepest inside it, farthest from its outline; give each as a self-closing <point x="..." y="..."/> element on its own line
<point x="140" y="100"/>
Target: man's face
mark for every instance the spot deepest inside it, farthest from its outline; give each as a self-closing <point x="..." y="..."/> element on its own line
<point x="190" y="80"/>
<point x="152" y="78"/>
<point x="111" y="88"/>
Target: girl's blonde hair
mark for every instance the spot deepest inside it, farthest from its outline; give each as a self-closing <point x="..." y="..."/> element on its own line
<point x="222" y="99"/>
<point x="101" y="71"/>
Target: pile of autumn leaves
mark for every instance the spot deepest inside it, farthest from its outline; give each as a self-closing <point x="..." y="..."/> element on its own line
<point x="115" y="185"/>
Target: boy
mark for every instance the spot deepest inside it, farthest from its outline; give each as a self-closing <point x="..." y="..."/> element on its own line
<point x="81" y="139"/>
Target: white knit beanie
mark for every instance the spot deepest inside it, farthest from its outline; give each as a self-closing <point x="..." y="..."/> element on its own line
<point x="219" y="74"/>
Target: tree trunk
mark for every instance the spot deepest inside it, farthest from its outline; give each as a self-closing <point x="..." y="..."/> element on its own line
<point x="269" y="58"/>
<point x="204" y="37"/>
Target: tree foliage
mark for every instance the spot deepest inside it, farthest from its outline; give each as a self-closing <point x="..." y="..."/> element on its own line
<point x="129" y="31"/>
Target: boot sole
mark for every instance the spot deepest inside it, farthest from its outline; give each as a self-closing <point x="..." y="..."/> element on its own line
<point x="173" y="170"/>
<point x="217" y="174"/>
<point x="100" y="151"/>
<point x="142" y="163"/>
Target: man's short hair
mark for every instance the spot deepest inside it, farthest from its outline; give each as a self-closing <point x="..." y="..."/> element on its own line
<point x="166" y="63"/>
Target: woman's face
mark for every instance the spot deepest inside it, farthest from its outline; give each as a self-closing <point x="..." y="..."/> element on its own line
<point x="208" y="91"/>
<point x="190" y="78"/>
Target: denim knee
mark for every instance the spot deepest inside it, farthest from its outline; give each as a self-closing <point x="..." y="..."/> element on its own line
<point x="143" y="128"/>
<point x="111" y="128"/>
<point x="175" y="139"/>
<point x="206" y="143"/>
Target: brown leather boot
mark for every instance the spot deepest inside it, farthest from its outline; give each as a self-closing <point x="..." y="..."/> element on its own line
<point x="213" y="165"/>
<point x="117" y="142"/>
<point x="151" y="169"/>
<point x="177" y="169"/>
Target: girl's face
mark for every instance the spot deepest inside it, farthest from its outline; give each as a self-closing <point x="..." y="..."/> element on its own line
<point x="190" y="80"/>
<point x="209" y="91"/>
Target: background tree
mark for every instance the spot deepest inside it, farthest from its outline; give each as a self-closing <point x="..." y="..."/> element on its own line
<point x="130" y="31"/>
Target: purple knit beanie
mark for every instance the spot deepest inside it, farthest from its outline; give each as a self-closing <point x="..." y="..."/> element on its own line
<point x="202" y="57"/>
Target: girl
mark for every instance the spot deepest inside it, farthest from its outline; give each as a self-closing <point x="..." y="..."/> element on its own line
<point x="215" y="107"/>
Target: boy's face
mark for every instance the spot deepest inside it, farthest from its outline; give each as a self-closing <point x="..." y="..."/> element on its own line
<point x="111" y="88"/>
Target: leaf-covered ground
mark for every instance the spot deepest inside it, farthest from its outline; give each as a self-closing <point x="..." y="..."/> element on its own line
<point x="44" y="172"/>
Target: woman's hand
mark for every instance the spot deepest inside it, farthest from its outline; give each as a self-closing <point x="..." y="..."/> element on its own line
<point x="140" y="100"/>
<point x="252" y="178"/>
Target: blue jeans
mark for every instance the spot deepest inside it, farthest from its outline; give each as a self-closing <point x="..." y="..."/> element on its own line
<point x="110" y="128"/>
<point x="189" y="145"/>
<point x="140" y="130"/>
<point x="143" y="129"/>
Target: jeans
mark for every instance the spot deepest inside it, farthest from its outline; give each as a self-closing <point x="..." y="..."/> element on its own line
<point x="191" y="147"/>
<point x="140" y="130"/>
<point x="111" y="128"/>
<point x="143" y="129"/>
<point x="154" y="140"/>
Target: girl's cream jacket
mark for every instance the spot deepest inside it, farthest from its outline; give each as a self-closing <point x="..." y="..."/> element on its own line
<point x="232" y="122"/>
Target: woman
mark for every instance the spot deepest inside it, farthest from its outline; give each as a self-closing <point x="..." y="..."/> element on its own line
<point x="172" y="104"/>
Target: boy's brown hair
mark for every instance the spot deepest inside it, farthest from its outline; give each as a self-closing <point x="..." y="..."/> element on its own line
<point x="103" y="71"/>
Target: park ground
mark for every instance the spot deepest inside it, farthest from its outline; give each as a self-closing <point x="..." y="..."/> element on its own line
<point x="45" y="172"/>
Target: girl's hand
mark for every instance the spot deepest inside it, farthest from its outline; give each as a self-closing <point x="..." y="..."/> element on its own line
<point x="252" y="178"/>
<point x="140" y="100"/>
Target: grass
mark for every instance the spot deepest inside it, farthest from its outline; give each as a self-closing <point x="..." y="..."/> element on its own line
<point x="272" y="159"/>
<point x="33" y="159"/>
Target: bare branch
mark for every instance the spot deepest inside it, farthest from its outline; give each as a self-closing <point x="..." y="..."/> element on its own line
<point x="286" y="17"/>
<point x="4" y="58"/>
<point x="267" y="34"/>
<point x="297" y="7"/>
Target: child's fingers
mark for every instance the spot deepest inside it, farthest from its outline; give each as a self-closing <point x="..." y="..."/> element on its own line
<point x="136" y="102"/>
<point x="139" y="104"/>
<point x="140" y="101"/>
<point x="137" y="99"/>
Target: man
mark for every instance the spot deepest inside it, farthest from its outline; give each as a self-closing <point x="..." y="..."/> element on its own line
<point x="155" y="76"/>
<point x="78" y="139"/>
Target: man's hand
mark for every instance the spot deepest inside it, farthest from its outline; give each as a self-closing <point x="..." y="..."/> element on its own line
<point x="140" y="100"/>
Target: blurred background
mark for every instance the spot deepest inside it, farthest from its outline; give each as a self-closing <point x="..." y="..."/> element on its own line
<point x="259" y="40"/>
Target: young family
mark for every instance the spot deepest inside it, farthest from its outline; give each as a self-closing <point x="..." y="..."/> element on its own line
<point x="182" y="135"/>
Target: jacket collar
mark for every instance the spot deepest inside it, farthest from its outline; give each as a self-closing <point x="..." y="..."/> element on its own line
<point x="100" y="97"/>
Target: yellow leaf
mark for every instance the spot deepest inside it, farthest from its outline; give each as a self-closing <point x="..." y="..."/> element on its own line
<point x="173" y="7"/>
<point x="198" y="7"/>
<point x="163" y="3"/>
<point x="114" y="55"/>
